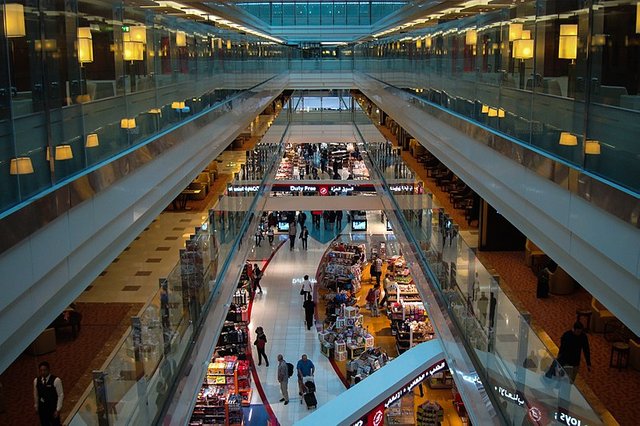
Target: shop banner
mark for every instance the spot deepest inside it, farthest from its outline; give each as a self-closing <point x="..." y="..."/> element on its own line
<point x="374" y="417"/>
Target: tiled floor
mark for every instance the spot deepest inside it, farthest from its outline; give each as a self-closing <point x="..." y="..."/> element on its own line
<point x="279" y="311"/>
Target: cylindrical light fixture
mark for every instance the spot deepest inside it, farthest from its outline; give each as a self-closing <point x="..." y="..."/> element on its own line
<point x="92" y="140"/>
<point x="63" y="152"/>
<point x="523" y="49"/>
<point x="155" y="111"/>
<point x="568" y="139"/>
<point x="485" y="109"/>
<point x="178" y="105"/>
<point x="471" y="38"/>
<point x="181" y="39"/>
<point x="138" y="34"/>
<point x="501" y="113"/>
<point x="228" y="44"/>
<point x="638" y="18"/>
<point x="568" y="47"/>
<point x="85" y="45"/>
<point x="427" y="42"/>
<point x="592" y="147"/>
<point x="128" y="123"/>
<point x="14" y="22"/>
<point x="20" y="165"/>
<point x="132" y="50"/>
<point x="493" y="112"/>
<point x="515" y="31"/>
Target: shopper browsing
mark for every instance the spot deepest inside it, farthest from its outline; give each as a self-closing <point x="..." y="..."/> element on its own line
<point x="572" y="344"/>
<point x="283" y="378"/>
<point x="305" y="369"/>
<point x="260" y="343"/>
<point x="47" y="395"/>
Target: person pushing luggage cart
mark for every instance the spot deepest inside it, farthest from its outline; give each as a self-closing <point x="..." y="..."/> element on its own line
<point x="309" y="392"/>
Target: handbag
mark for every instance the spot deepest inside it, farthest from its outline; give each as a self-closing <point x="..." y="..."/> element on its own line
<point x="301" y="292"/>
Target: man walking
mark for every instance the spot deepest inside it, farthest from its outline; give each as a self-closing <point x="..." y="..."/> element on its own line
<point x="48" y="396"/>
<point x="305" y="369"/>
<point x="283" y="379"/>
<point x="292" y="235"/>
<point x="572" y="344"/>
<point x="309" y="310"/>
<point x="304" y="236"/>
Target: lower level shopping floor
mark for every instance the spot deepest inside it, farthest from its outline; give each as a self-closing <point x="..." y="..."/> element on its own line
<point x="126" y="285"/>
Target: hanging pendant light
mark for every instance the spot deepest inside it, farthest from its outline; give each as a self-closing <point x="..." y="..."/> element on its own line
<point x="14" y="25"/>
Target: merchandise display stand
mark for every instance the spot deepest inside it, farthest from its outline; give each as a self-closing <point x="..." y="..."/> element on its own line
<point x="227" y="384"/>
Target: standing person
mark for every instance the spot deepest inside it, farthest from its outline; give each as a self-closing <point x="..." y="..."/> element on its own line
<point x="305" y="369"/>
<point x="257" y="276"/>
<point x="270" y="235"/>
<point x="302" y="218"/>
<point x="260" y="343"/>
<point x="309" y="309"/>
<point x="378" y="270"/>
<point x="307" y="288"/>
<point x="283" y="379"/>
<point x="572" y="344"/>
<point x="325" y="219"/>
<point x="339" y="220"/>
<point x="258" y="236"/>
<point x="304" y="236"/>
<point x="315" y="216"/>
<point x="292" y="235"/>
<point x="375" y="301"/>
<point x="47" y="396"/>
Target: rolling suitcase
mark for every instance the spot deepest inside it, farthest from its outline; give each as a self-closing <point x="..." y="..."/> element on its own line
<point x="309" y="392"/>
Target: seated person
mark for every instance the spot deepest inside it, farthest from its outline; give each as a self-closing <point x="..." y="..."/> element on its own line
<point x="70" y="317"/>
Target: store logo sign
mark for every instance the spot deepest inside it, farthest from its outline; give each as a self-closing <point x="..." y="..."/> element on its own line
<point x="400" y="188"/>
<point x="324" y="190"/>
<point x="342" y="189"/>
<point x="535" y="414"/>
<point x="515" y="397"/>
<point x="245" y="188"/>
<point x="409" y="387"/>
<point x="297" y="188"/>
<point x="563" y="417"/>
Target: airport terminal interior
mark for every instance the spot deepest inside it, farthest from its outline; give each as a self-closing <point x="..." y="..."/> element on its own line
<point x="323" y="212"/>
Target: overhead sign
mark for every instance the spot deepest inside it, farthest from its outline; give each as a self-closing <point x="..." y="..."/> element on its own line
<point x="337" y="188"/>
<point x="243" y="188"/>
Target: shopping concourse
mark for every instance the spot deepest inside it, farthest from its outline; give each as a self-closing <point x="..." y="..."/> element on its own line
<point x="319" y="213"/>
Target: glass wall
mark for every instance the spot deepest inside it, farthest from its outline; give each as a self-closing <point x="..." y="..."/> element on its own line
<point x="82" y="81"/>
<point x="322" y="13"/>
<point x="558" y="75"/>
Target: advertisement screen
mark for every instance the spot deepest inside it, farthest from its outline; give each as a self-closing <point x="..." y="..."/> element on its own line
<point x="359" y="225"/>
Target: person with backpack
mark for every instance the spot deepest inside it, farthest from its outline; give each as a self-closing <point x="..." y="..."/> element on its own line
<point x="285" y="370"/>
<point x="260" y="343"/>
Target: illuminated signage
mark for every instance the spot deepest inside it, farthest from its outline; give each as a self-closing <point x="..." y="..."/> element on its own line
<point x="516" y="396"/>
<point x="342" y="189"/>
<point x="401" y="188"/>
<point x="244" y="188"/>
<point x="565" y="418"/>
<point x="296" y="188"/>
<point x="535" y="414"/>
<point x="300" y="281"/>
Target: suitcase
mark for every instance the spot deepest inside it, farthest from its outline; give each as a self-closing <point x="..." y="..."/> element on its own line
<point x="310" y="386"/>
<point x="310" y="400"/>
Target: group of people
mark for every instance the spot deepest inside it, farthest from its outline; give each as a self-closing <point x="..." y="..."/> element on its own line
<point x="330" y="218"/>
<point x="254" y="274"/>
<point x="305" y="367"/>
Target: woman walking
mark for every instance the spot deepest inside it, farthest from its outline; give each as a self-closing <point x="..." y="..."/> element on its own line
<point x="260" y="343"/>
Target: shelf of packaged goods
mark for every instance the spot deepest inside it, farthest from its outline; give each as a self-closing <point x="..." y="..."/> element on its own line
<point x="246" y="401"/>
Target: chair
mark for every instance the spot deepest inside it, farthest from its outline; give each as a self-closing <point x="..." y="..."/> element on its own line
<point x="44" y="343"/>
<point x="600" y="316"/>
<point x="561" y="283"/>
<point x="205" y="179"/>
<point x="530" y="251"/>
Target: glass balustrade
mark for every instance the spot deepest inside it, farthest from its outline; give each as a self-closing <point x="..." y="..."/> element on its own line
<point x="508" y="354"/>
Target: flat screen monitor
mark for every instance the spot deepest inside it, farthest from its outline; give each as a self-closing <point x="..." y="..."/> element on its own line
<point x="283" y="226"/>
<point x="359" y="225"/>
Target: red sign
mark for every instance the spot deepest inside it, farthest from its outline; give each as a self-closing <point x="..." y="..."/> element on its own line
<point x="323" y="190"/>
